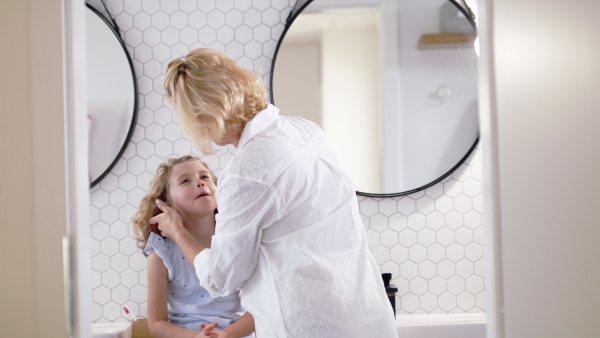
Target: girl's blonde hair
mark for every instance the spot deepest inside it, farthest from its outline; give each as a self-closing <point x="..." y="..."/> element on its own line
<point x="213" y="96"/>
<point x="159" y="189"/>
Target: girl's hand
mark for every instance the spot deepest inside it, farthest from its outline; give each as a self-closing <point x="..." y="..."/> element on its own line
<point x="210" y="330"/>
<point x="169" y="221"/>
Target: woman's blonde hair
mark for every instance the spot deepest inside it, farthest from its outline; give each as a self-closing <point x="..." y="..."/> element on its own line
<point x="214" y="97"/>
<point x="159" y="189"/>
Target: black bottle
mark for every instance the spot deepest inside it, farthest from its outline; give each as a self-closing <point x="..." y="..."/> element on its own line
<point x="390" y="289"/>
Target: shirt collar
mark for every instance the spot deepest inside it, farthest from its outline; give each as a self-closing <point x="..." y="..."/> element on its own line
<point x="257" y="124"/>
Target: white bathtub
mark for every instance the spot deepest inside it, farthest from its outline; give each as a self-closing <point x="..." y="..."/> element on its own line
<point x="463" y="325"/>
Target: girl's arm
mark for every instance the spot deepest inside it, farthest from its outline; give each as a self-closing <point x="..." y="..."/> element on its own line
<point x="157" y="302"/>
<point x="242" y="327"/>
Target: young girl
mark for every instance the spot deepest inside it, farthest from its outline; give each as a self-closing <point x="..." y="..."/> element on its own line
<point x="177" y="305"/>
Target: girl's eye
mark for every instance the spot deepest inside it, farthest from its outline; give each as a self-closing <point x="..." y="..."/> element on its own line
<point x="204" y="177"/>
<point x="184" y="181"/>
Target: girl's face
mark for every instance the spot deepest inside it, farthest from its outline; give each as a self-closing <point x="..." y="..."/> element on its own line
<point x="192" y="189"/>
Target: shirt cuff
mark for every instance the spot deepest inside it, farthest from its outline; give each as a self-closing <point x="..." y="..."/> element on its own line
<point x="202" y="272"/>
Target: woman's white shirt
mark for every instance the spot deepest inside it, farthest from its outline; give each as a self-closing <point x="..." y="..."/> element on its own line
<point x="289" y="236"/>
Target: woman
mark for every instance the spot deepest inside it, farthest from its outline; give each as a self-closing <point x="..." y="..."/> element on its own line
<point x="288" y="232"/>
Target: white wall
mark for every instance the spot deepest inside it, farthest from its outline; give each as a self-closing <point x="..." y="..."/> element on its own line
<point x="540" y="128"/>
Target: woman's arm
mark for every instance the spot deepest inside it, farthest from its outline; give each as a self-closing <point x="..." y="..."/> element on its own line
<point x="242" y="327"/>
<point x="157" y="302"/>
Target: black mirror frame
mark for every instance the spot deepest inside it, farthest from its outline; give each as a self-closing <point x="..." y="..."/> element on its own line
<point x="296" y="10"/>
<point x="115" y="29"/>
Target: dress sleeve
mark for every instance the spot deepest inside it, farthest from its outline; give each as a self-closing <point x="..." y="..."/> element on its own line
<point x="245" y="209"/>
<point x="161" y="247"/>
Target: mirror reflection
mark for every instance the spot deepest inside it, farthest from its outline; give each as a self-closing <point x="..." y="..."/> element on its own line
<point x="394" y="86"/>
<point x="111" y="95"/>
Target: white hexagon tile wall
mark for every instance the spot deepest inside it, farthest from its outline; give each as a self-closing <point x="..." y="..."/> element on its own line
<point x="431" y="241"/>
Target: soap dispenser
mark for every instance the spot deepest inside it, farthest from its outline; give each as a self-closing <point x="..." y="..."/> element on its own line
<point x="390" y="290"/>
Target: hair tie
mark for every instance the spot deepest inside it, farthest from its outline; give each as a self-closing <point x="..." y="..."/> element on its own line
<point x="182" y="58"/>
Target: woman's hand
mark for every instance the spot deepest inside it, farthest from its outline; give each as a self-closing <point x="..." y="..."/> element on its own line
<point x="169" y="221"/>
<point x="210" y="330"/>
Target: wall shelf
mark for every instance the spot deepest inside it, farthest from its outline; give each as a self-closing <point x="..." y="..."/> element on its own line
<point x="446" y="41"/>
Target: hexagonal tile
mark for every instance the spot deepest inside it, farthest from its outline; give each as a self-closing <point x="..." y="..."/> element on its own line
<point x="381" y="254"/>
<point x="456" y="285"/>
<point x="425" y="205"/>
<point x="119" y="262"/>
<point x="136" y="166"/>
<point x="142" y="53"/>
<point x="417" y="253"/>
<point x="110" y="278"/>
<point x="447" y="301"/>
<point x="426" y="237"/>
<point x="418" y="286"/>
<point x="444" y="204"/>
<point x="262" y="34"/>
<point x="129" y="278"/>
<point x="109" y="214"/>
<point x="416" y="221"/>
<point x="99" y="198"/>
<point x="369" y="207"/>
<point x="454" y="220"/>
<point x="462" y="204"/>
<point x="125" y="21"/>
<point x="153" y="100"/>
<point x="409" y="302"/>
<point x="452" y="188"/>
<point x="142" y="21"/>
<point x="111" y="311"/>
<point x="182" y="147"/>
<point x="464" y="268"/>
<point x="407" y="238"/>
<point x="399" y="254"/>
<point x="474" y="252"/>
<point x="446" y="269"/>
<point x="463" y="236"/>
<point x="444" y="236"/>
<point x="465" y="301"/>
<point x="138" y="294"/>
<point x="398" y="222"/>
<point x="137" y="262"/>
<point x="472" y="220"/>
<point x="455" y="252"/>
<point x="435" y="220"/>
<point x="436" y="253"/>
<point x="408" y="270"/>
<point x="378" y="222"/>
<point x="110" y="246"/>
<point x="128" y="246"/>
<point x="100" y="263"/>
<point x="101" y="295"/>
<point x="389" y="238"/>
<point x="406" y="206"/>
<point x="270" y="17"/>
<point x="390" y="267"/>
<point x="118" y="198"/>
<point x="243" y="34"/>
<point x="427" y="269"/>
<point x="475" y="284"/>
<point x="120" y="294"/>
<point x="127" y="181"/>
<point x="428" y="302"/>
<point x="126" y="212"/>
<point x="437" y="285"/>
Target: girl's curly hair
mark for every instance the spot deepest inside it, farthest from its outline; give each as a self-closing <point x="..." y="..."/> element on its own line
<point x="159" y="189"/>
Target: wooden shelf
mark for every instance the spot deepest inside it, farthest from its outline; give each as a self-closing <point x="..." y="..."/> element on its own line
<point x="446" y="40"/>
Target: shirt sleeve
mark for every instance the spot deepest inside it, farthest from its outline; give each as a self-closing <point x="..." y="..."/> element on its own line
<point x="245" y="209"/>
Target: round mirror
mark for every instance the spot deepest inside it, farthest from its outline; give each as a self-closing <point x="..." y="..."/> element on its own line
<point x="111" y="95"/>
<point x="392" y="83"/>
